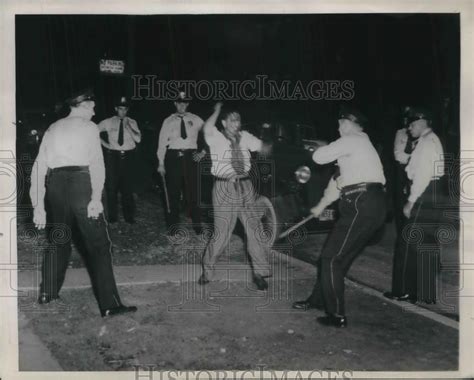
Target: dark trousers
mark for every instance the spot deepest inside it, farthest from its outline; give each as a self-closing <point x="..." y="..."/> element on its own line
<point x="361" y="214"/>
<point x="182" y="176"/>
<point x="68" y="194"/>
<point x="416" y="259"/>
<point x="400" y="190"/>
<point x="119" y="178"/>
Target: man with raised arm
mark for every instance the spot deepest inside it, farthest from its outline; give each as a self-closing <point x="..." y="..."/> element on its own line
<point x="233" y="194"/>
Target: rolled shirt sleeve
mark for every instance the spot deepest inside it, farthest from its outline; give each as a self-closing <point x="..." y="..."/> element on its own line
<point x="332" y="152"/>
<point x="38" y="175"/>
<point x="96" y="164"/>
<point x="399" y="145"/>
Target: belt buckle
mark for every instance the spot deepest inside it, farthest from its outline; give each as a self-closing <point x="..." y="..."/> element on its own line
<point x="180" y="153"/>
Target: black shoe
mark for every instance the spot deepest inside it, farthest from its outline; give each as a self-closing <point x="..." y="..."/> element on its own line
<point x="122" y="309"/>
<point x="333" y="320"/>
<point x="260" y="282"/>
<point x="306" y="305"/>
<point x="404" y="298"/>
<point x="45" y="298"/>
<point x="203" y="280"/>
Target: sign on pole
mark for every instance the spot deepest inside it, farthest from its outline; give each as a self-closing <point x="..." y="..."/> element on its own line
<point x="111" y="66"/>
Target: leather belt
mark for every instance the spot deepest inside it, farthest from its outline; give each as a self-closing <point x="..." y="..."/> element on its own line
<point x="180" y="152"/>
<point x="360" y="187"/>
<point x="70" y="169"/>
<point x="232" y="179"/>
<point x="120" y="152"/>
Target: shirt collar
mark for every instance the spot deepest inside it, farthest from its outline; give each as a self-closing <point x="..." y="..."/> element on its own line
<point x="355" y="133"/>
<point x="426" y="132"/>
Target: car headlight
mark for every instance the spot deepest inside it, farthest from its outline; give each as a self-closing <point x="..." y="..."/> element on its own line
<point x="303" y="174"/>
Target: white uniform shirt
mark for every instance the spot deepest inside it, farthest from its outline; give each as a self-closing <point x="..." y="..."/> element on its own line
<point x="170" y="134"/>
<point x="112" y="127"/>
<point x="72" y="141"/>
<point x="399" y="145"/>
<point x="357" y="159"/>
<point x="426" y="163"/>
<point x="221" y="151"/>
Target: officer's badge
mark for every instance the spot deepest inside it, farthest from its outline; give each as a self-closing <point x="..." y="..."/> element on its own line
<point x="190" y="123"/>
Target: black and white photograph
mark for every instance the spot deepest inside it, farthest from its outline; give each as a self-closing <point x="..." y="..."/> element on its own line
<point x="271" y="192"/>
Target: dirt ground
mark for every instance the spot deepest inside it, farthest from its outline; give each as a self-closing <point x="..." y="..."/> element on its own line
<point x="233" y="326"/>
<point x="182" y="326"/>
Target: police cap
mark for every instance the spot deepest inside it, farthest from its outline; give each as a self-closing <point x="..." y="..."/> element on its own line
<point x="183" y="98"/>
<point x="80" y="96"/>
<point x="419" y="113"/>
<point x="122" y="102"/>
<point x="354" y="115"/>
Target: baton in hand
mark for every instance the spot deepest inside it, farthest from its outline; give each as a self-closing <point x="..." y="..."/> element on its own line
<point x="296" y="226"/>
<point x="165" y="188"/>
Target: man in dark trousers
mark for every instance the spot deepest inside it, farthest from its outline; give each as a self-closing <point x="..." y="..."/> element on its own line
<point x="177" y="161"/>
<point x="360" y="190"/>
<point x="70" y="156"/>
<point x="415" y="271"/>
<point x="122" y="136"/>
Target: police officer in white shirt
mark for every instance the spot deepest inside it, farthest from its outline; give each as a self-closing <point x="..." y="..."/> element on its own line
<point x="233" y="194"/>
<point x="178" y="158"/>
<point x="360" y="190"/>
<point x="412" y="282"/>
<point x="69" y="174"/>
<point x="402" y="147"/>
<point x="123" y="135"/>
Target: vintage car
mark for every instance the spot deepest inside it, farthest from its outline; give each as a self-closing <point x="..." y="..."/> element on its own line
<point x="289" y="181"/>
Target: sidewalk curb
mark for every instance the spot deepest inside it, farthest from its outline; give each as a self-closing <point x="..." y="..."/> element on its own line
<point x="163" y="274"/>
<point x="33" y="353"/>
<point x="407" y="306"/>
<point x="37" y="353"/>
<point x="160" y="274"/>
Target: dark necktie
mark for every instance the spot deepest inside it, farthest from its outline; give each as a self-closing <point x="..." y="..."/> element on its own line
<point x="410" y="145"/>
<point x="184" y="135"/>
<point x="237" y="157"/>
<point x="120" y="136"/>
